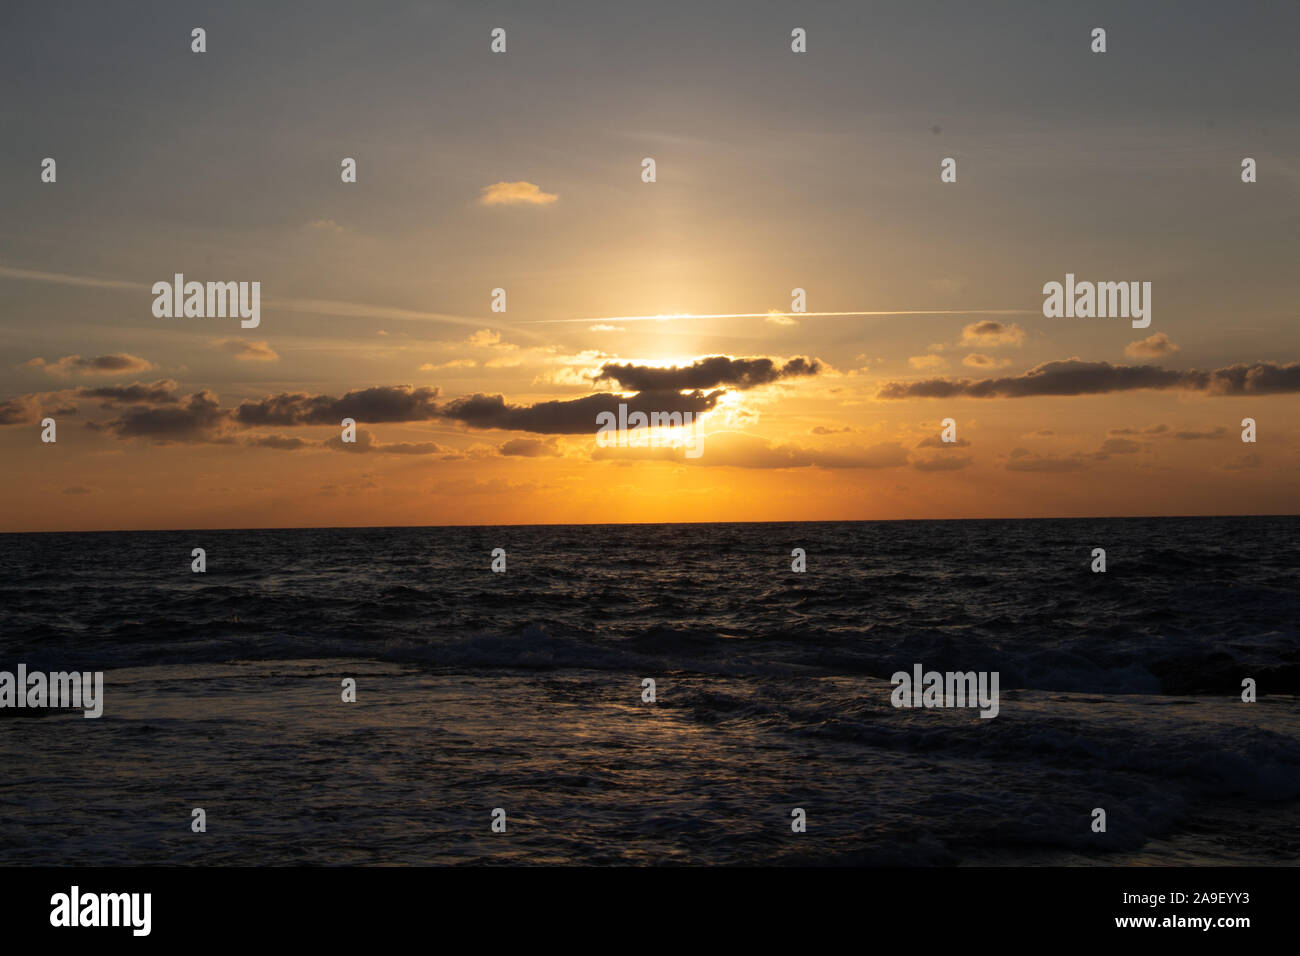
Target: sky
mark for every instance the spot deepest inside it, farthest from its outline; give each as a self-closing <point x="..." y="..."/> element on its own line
<point x="523" y="171"/>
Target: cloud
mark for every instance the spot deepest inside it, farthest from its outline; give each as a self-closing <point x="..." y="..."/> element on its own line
<point x="1152" y="345"/>
<point x="247" y="351"/>
<point x="485" y="338"/>
<point x="602" y="327"/>
<point x="827" y="430"/>
<point x="114" y="364"/>
<point x="991" y="334"/>
<point x="934" y="441"/>
<point x="161" y="392"/>
<point x="574" y="417"/>
<point x="325" y="225"/>
<point x="530" y="448"/>
<point x="1022" y="460"/>
<point x="77" y="490"/>
<point x="23" y="410"/>
<point x="708" y="372"/>
<point x="927" y="361"/>
<point x="741" y="450"/>
<point x="366" y="444"/>
<point x="1076" y="377"/>
<point x="978" y="360"/>
<point x="1118" y="446"/>
<point x="199" y="419"/>
<point x="493" y="486"/>
<point x="943" y="463"/>
<point x="278" y="442"/>
<point x="515" y="194"/>
<point x="383" y="403"/>
<point x="1194" y="435"/>
<point x="1149" y="430"/>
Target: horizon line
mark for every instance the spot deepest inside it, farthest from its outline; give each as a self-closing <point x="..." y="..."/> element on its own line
<point x="621" y="524"/>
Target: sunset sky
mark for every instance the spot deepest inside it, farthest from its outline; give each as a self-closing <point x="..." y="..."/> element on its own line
<point x="522" y="171"/>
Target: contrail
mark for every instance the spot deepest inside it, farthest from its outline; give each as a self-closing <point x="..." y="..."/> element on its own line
<point x="356" y="310"/>
<point x="763" y="315"/>
<point x="61" y="278"/>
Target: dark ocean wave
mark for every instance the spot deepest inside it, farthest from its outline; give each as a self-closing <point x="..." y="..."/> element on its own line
<point x="1119" y="691"/>
<point x="1184" y="607"/>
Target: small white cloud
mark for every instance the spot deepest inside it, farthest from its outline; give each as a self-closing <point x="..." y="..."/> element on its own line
<point x="247" y="351"/>
<point x="515" y="194"/>
<point x="1152" y="345"/>
<point x="990" y="333"/>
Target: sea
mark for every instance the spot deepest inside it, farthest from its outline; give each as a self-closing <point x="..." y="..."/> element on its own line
<point x="503" y="716"/>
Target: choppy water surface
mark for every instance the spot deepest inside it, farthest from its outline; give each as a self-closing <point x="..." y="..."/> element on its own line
<point x="523" y="691"/>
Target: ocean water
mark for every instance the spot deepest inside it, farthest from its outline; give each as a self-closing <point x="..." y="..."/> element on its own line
<point x="522" y="691"/>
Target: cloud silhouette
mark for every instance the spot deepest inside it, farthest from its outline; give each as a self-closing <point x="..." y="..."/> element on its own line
<point x="161" y="392"/>
<point x="1021" y="459"/>
<point x="711" y="372"/>
<point x="366" y="444"/>
<point x="377" y="405"/>
<point x="199" y="419"/>
<point x="278" y="442"/>
<point x="1218" y="432"/>
<point x="23" y="410"/>
<point x="573" y="417"/>
<point x="990" y="333"/>
<point x="530" y="448"/>
<point x="113" y="364"/>
<point x="1076" y="377"/>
